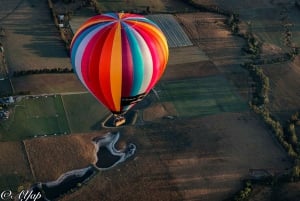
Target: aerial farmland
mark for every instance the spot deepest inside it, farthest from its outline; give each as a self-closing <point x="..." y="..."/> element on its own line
<point x="222" y="123"/>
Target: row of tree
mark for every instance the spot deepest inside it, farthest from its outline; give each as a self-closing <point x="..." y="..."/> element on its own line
<point x="209" y="8"/>
<point x="293" y="139"/>
<point x="42" y="71"/>
<point x="261" y="86"/>
<point x="260" y="97"/>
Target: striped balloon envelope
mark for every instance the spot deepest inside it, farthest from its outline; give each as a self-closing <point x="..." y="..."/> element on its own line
<point x="119" y="57"/>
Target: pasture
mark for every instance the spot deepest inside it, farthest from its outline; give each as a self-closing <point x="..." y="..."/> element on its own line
<point x="84" y="112"/>
<point x="47" y="84"/>
<point x="53" y="115"/>
<point x="201" y="97"/>
<point x="52" y="156"/>
<point x="35" y="116"/>
<point x="185" y="55"/>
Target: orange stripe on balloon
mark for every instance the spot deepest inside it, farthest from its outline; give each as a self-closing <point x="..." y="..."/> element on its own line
<point x="116" y="68"/>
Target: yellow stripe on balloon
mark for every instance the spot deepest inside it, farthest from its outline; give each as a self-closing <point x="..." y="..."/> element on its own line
<point x="116" y="68"/>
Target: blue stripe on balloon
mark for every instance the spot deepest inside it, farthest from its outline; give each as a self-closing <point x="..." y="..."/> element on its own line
<point x="138" y="64"/>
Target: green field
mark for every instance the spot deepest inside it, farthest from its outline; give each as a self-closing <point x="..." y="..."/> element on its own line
<point x="200" y="97"/>
<point x="84" y="112"/>
<point x="32" y="116"/>
<point x="49" y="115"/>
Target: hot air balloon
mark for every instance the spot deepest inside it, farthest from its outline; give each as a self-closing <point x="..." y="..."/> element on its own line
<point x="119" y="57"/>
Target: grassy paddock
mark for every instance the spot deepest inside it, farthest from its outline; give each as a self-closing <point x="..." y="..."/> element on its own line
<point x="84" y="112"/>
<point x="205" y="96"/>
<point x="40" y="115"/>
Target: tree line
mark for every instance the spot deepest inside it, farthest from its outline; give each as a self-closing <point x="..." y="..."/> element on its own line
<point x="42" y="71"/>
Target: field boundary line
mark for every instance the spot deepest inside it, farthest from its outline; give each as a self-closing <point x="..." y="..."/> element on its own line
<point x="29" y="162"/>
<point x="66" y="114"/>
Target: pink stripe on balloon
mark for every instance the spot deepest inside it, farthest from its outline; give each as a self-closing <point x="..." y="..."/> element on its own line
<point x="127" y="66"/>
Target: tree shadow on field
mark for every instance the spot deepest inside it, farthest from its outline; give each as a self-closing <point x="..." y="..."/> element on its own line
<point x="33" y="24"/>
<point x="48" y="49"/>
<point x="190" y="169"/>
<point x="45" y="42"/>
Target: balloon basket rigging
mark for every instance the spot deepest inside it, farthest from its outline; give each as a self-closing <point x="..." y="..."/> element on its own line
<point x="119" y="120"/>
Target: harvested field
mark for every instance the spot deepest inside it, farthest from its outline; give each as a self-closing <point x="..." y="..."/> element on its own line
<point x="141" y="5"/>
<point x="217" y="150"/>
<point x="48" y="84"/>
<point x="14" y="167"/>
<point x="52" y="156"/>
<point x="199" y="159"/>
<point x="185" y="55"/>
<point x="190" y="70"/>
<point x="40" y="45"/>
<point x="208" y="31"/>
<point x="143" y="178"/>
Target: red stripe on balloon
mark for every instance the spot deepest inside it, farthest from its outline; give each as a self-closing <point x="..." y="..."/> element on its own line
<point x="94" y="65"/>
<point x="104" y="72"/>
